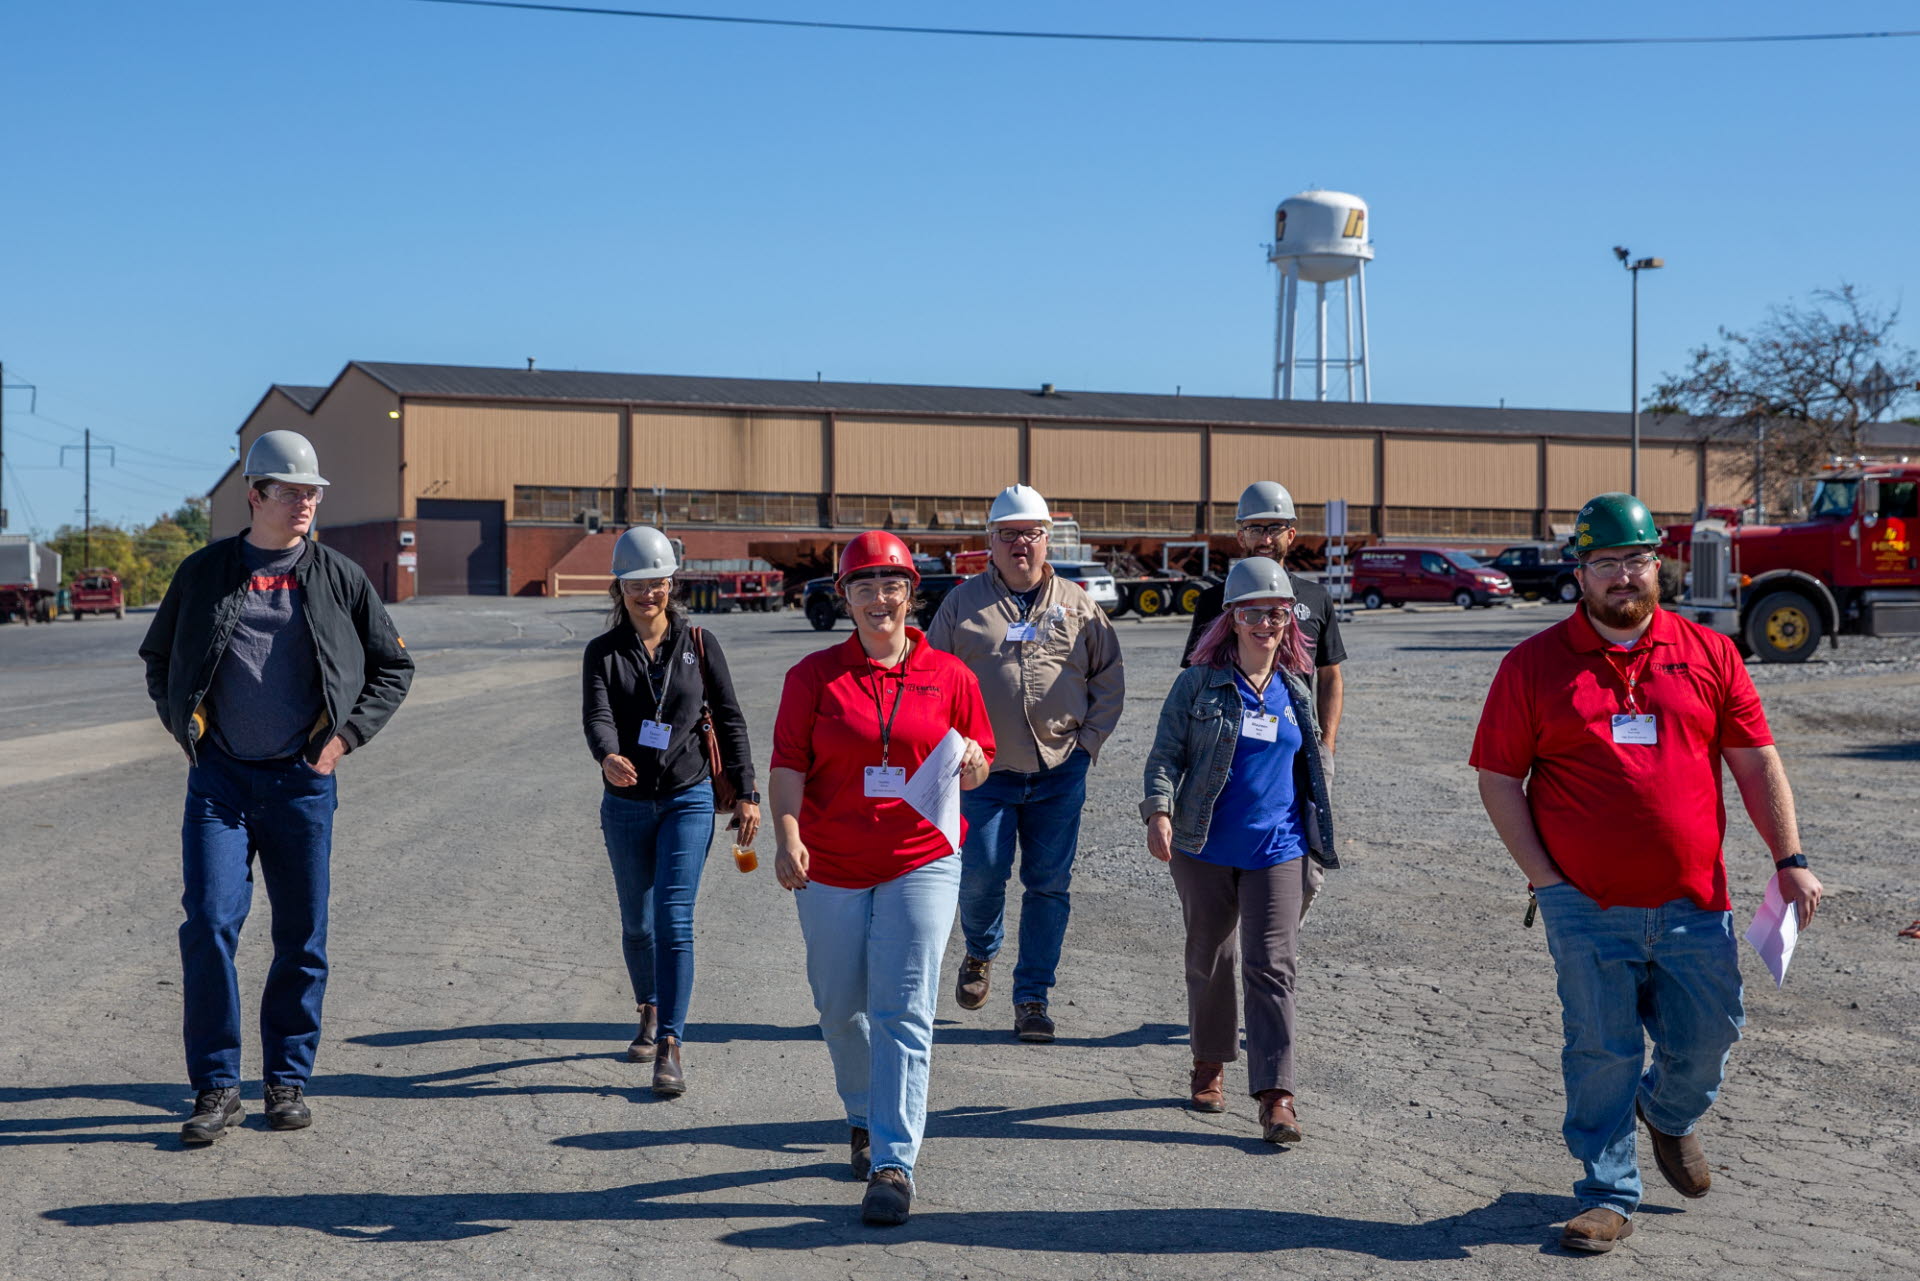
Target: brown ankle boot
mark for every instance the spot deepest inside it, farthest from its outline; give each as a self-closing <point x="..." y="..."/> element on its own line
<point x="669" y="1081"/>
<point x="1278" y="1124"/>
<point x="1207" y="1087"/>
<point x="642" y="1049"/>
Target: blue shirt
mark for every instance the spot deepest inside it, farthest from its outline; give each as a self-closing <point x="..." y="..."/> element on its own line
<point x="1258" y="820"/>
<point x="265" y="697"/>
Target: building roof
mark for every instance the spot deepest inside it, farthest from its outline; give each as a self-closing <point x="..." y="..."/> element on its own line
<point x="902" y="399"/>
<point x="305" y="397"/>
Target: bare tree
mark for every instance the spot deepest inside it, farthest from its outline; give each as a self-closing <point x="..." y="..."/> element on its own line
<point x="1800" y="387"/>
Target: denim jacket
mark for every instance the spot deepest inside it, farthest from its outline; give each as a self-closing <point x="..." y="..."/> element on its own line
<point x="1192" y="757"/>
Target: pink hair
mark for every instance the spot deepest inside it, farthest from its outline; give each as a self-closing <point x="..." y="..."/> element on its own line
<point x="1218" y="644"/>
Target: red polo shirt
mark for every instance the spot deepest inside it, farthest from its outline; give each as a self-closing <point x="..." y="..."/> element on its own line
<point x="828" y="729"/>
<point x="1631" y="825"/>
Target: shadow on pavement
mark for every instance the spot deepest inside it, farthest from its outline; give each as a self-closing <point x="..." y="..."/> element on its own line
<point x="1515" y="1218"/>
<point x="1895" y="753"/>
<point x="697" y="1033"/>
<point x="950" y="1032"/>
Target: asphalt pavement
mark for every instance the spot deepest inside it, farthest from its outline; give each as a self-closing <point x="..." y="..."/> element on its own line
<point x="474" y="1117"/>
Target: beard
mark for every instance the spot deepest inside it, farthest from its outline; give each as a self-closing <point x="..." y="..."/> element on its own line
<point x="1623" y="608"/>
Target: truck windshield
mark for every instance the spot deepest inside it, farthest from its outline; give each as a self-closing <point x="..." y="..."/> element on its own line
<point x="1833" y="498"/>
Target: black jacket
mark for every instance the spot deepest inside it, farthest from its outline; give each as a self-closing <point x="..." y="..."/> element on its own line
<point x="364" y="667"/>
<point x="615" y="697"/>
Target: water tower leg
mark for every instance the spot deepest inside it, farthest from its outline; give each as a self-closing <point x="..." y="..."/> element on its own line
<point x="1366" y="368"/>
<point x="1320" y="340"/>
<point x="1347" y="286"/>
<point x="1290" y="299"/>
<point x="1279" y="330"/>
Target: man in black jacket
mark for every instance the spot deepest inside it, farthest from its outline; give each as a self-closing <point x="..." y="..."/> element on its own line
<point x="271" y="657"/>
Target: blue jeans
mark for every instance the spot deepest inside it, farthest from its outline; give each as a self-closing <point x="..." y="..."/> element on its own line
<point x="1669" y="974"/>
<point x="282" y="813"/>
<point x="873" y="961"/>
<point x="658" y="849"/>
<point x="1042" y="809"/>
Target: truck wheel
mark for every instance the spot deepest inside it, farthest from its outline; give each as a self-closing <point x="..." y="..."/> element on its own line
<point x="1189" y="598"/>
<point x="821" y="613"/>
<point x="1372" y="598"/>
<point x="1463" y="598"/>
<point x="1150" y="601"/>
<point x="1567" y="590"/>
<point x="1783" y="627"/>
<point x="1119" y="607"/>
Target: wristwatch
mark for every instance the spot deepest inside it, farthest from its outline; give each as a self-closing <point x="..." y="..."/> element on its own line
<point x="1794" y="860"/>
<point x="753" y="798"/>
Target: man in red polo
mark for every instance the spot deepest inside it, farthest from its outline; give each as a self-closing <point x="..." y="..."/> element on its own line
<point x="1599" y="753"/>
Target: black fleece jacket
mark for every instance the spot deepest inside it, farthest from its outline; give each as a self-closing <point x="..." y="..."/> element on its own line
<point x="616" y="697"/>
<point x="364" y="667"/>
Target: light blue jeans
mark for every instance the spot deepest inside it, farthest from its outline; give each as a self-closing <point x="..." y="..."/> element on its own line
<point x="873" y="961"/>
<point x="1669" y="974"/>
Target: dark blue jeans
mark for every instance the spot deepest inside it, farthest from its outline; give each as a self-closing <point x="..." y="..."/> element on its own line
<point x="1042" y="810"/>
<point x="280" y="812"/>
<point x="658" y="849"/>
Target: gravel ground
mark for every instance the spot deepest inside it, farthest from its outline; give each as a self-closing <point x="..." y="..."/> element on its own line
<point x="473" y="1118"/>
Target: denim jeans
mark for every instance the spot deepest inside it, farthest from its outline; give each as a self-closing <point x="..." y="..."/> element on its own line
<point x="658" y="850"/>
<point x="873" y="961"/>
<point x="1042" y="809"/>
<point x="1669" y="974"/>
<point x="280" y="812"/>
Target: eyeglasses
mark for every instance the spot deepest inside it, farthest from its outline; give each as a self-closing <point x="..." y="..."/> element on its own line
<point x="294" y="497"/>
<point x="1614" y="566"/>
<point x="1033" y="535"/>
<point x="869" y="590"/>
<point x="646" y="586"/>
<point x="1254" y="615"/>
<point x="1265" y="531"/>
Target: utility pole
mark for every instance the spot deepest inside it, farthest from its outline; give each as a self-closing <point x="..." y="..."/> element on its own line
<point x="1634" y="268"/>
<point x="32" y="405"/>
<point x="86" y="454"/>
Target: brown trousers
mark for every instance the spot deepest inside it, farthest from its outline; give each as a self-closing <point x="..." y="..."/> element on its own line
<point x="1261" y="910"/>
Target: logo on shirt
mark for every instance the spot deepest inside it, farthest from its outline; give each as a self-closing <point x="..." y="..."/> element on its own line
<point x="1301" y="612"/>
<point x="1671" y="669"/>
<point x="912" y="688"/>
<point x="274" y="583"/>
<point x="687" y="658"/>
<point x="1292" y="720"/>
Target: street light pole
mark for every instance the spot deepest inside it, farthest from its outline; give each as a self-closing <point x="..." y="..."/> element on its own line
<point x="1634" y="268"/>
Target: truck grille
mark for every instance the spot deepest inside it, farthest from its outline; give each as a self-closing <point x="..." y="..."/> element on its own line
<point x="1710" y="563"/>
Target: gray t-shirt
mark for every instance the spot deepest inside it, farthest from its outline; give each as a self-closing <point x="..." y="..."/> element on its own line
<point x="265" y="695"/>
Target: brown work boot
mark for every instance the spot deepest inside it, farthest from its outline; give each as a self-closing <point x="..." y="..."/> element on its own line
<point x="1682" y="1162"/>
<point x="860" y="1153"/>
<point x="970" y="988"/>
<point x="1596" y="1230"/>
<point x="1278" y="1124"/>
<point x="669" y="1080"/>
<point x="642" y="1049"/>
<point x="1207" y="1087"/>
<point x="889" y="1197"/>
<point x="1031" y="1024"/>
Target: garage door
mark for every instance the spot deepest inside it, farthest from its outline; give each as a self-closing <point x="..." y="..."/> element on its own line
<point x="462" y="547"/>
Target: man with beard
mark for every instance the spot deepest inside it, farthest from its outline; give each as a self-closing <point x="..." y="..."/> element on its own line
<point x="1599" y="753"/>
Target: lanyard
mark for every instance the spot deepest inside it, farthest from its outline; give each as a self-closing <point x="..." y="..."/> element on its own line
<point x="1635" y="670"/>
<point x="1010" y="603"/>
<point x="646" y="671"/>
<point x="1260" y="690"/>
<point x="899" y="692"/>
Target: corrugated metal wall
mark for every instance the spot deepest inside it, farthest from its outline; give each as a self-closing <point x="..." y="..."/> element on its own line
<point x="483" y="451"/>
<point x="359" y="448"/>
<point x="1576" y="472"/>
<point x="1108" y="463"/>
<point x="913" y="459"/>
<point x="1461" y="473"/>
<point x="1669" y="478"/>
<point x="732" y="452"/>
<point x="1729" y="475"/>
<point x="1313" y="468"/>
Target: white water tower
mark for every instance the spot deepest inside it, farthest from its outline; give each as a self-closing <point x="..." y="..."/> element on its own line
<point x="1321" y="237"/>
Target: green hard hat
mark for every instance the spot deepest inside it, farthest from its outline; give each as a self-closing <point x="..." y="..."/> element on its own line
<point x="1613" y="520"/>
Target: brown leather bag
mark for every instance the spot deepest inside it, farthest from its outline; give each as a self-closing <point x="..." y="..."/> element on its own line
<point x="724" y="795"/>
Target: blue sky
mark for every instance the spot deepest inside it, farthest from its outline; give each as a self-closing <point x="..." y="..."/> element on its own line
<point x="205" y="197"/>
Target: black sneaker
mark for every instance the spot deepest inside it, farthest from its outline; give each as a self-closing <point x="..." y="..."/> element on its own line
<point x="860" y="1155"/>
<point x="213" y="1112"/>
<point x="889" y="1197"/>
<point x="1030" y="1023"/>
<point x="287" y="1109"/>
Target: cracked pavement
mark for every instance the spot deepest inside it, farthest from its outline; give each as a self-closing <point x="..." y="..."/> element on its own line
<point x="474" y="1116"/>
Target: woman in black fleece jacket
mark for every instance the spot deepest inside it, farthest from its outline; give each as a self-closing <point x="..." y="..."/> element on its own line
<point x="644" y="682"/>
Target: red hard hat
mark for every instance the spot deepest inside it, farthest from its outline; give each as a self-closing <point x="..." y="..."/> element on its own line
<point x="877" y="549"/>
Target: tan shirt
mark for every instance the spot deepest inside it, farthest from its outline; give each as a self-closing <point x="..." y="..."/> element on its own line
<point x="1045" y="696"/>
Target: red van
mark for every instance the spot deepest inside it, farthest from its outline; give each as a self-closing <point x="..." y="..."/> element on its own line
<point x="1396" y="575"/>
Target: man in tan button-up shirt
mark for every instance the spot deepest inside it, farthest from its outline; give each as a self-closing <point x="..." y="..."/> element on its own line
<point x="1049" y="669"/>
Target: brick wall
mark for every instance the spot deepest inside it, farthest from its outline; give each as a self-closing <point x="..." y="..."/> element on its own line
<point x="375" y="547"/>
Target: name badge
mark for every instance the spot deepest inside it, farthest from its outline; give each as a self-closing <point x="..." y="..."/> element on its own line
<point x="1635" y="729"/>
<point x="1022" y="632"/>
<point x="886" y="780"/>
<point x="655" y="734"/>
<point x="1262" y="726"/>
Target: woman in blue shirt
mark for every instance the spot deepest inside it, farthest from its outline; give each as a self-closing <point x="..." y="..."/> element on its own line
<point x="1236" y="804"/>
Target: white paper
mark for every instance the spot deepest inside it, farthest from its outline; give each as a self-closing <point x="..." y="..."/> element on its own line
<point x="1775" y="929"/>
<point x="934" y="789"/>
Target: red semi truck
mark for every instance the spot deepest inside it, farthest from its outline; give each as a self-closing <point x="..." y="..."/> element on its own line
<point x="1851" y="566"/>
<point x="98" y="591"/>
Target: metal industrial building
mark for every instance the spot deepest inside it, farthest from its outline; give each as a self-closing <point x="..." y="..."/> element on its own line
<point x="454" y="479"/>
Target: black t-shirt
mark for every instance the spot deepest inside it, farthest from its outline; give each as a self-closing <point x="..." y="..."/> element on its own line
<point x="1312" y="606"/>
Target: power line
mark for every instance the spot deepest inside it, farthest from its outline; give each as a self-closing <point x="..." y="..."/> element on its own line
<point x="20" y="492"/>
<point x="136" y="449"/>
<point x="1114" y="37"/>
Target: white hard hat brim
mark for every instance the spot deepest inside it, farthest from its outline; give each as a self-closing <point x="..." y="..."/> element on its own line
<point x="292" y="477"/>
<point x="652" y="571"/>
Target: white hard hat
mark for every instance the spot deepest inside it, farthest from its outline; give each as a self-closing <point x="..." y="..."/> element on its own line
<point x="644" y="552"/>
<point x="1018" y="502"/>
<point x="284" y="455"/>
<point x="1264" y="500"/>
<point x="1256" y="577"/>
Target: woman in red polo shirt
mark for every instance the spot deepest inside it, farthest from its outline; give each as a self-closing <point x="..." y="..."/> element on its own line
<point x="878" y="883"/>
